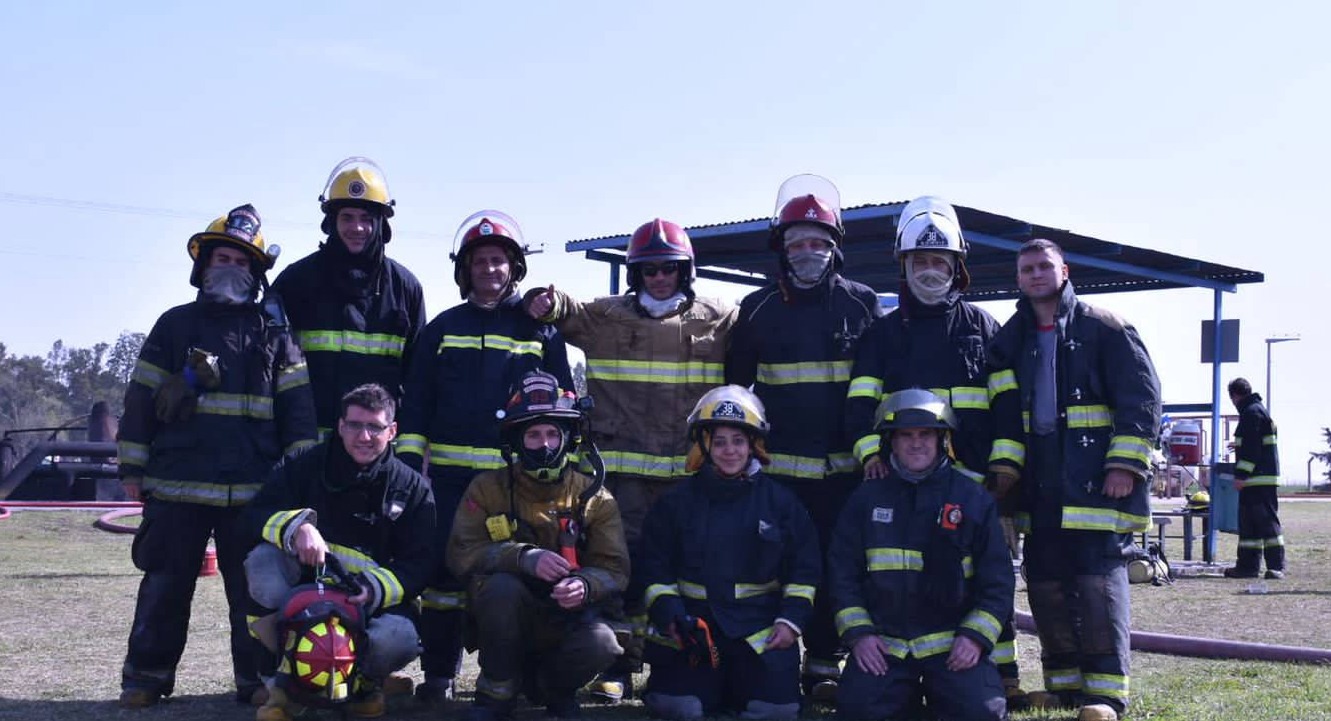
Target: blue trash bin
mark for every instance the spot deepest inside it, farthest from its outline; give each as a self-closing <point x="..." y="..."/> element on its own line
<point x="1224" y="498"/>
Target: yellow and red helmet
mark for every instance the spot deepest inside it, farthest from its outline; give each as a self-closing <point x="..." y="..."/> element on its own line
<point x="488" y="227"/>
<point x="323" y="659"/>
<point x="238" y="229"/>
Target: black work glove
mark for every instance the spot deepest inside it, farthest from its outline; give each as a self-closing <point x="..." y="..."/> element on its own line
<point x="178" y="396"/>
<point x="695" y="640"/>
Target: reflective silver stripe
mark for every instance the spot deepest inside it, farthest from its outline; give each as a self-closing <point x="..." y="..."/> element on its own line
<point x="434" y="599"/>
<point x="442" y="454"/>
<point x="1130" y="448"/>
<point x="695" y="591"/>
<point x="970" y="397"/>
<point x="493" y="342"/>
<point x="749" y="590"/>
<point x="642" y="464"/>
<point x="1092" y="416"/>
<point x="135" y="454"/>
<point x="1103" y="519"/>
<point x="894" y="559"/>
<point x="865" y="387"/>
<point x="208" y="494"/>
<point x="236" y="404"/>
<point x="148" y="374"/>
<point x="655" y="371"/>
<point x="658" y="590"/>
<point x="797" y="466"/>
<point x="774" y="374"/>
<point x="852" y="617"/>
<point x="292" y="377"/>
<point x="350" y="341"/>
<point x="800" y="590"/>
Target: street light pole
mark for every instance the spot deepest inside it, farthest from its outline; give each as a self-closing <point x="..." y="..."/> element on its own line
<point x="1269" y="341"/>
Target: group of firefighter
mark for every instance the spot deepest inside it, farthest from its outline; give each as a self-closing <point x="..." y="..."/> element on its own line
<point x="800" y="469"/>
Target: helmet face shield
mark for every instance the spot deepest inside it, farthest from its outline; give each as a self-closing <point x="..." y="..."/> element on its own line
<point x="488" y="227"/>
<point x="806" y="199"/>
<point x="359" y="181"/>
<point x="914" y="408"/>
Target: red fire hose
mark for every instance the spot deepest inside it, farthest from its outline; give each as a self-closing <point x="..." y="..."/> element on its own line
<point x="1206" y="647"/>
<point x="106" y="522"/>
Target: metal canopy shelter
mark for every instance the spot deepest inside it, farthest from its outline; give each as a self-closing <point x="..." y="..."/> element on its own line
<point x="737" y="252"/>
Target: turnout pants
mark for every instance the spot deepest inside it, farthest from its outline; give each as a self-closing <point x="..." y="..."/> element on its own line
<point x="743" y="676"/>
<point x="1077" y="584"/>
<point x="444" y="601"/>
<point x="1259" y="530"/>
<point x="527" y="643"/>
<point x="635" y="496"/>
<point x="823" y="499"/>
<point x="169" y="548"/>
<point x="975" y="694"/>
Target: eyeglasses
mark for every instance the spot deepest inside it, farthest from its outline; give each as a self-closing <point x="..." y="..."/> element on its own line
<point x="668" y="268"/>
<point x="358" y="427"/>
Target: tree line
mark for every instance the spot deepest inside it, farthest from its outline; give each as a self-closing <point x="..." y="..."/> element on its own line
<point x="59" y="389"/>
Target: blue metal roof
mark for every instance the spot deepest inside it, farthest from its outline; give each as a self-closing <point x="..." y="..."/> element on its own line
<point x="738" y="252"/>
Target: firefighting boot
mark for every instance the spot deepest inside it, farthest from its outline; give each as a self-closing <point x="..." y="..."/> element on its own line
<point x="136" y="697"/>
<point x="436" y="690"/>
<point x="398" y="684"/>
<point x="1017" y="699"/>
<point x="275" y="708"/>
<point x="1097" y="712"/>
<point x="370" y="705"/>
<point x="611" y="687"/>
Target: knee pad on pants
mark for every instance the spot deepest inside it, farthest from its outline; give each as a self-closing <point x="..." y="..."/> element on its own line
<point x="271" y="575"/>
<point x="393" y="643"/>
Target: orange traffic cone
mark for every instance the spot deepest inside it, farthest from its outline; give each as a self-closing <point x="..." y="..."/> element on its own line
<point x="209" y="567"/>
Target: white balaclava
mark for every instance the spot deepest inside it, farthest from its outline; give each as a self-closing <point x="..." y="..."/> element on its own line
<point x="929" y="286"/>
<point x="809" y="267"/>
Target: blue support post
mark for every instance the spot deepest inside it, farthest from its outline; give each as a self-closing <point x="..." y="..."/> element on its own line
<point x="1208" y="544"/>
<point x="614" y="277"/>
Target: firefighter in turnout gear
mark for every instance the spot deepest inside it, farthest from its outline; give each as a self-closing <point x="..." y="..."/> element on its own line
<point x="1076" y="407"/>
<point x="1256" y="475"/>
<point x="220" y="392"/>
<point x="794" y="342"/>
<point x="732" y="565"/>
<point x="934" y="340"/>
<point x="651" y="353"/>
<point x="920" y="576"/>
<point x="347" y="497"/>
<point x="355" y="312"/>
<point x="540" y="548"/>
<point x="465" y="362"/>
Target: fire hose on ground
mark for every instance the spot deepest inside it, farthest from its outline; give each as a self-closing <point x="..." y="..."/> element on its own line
<point x="106" y="522"/>
<point x="1213" y="648"/>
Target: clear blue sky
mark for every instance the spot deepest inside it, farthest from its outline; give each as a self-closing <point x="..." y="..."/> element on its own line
<point x="1197" y="128"/>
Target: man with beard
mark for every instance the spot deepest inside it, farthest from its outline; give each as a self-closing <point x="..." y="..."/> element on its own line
<point x="1076" y="407"/>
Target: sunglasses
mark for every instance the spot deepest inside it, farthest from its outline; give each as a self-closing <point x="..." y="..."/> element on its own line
<point x="650" y="270"/>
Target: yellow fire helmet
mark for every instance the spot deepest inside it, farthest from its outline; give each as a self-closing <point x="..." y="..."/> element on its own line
<point x="237" y="229"/>
<point x="731" y="405"/>
<point x="357" y="181"/>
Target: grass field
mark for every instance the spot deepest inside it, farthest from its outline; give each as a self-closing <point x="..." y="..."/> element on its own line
<point x="68" y="591"/>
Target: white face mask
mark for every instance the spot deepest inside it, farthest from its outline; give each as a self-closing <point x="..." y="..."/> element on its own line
<point x="230" y="284"/>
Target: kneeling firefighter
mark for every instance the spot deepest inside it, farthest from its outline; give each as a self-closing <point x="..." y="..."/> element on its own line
<point x="732" y="563"/>
<point x="347" y="503"/>
<point x="540" y="547"/>
<point x="920" y="576"/>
